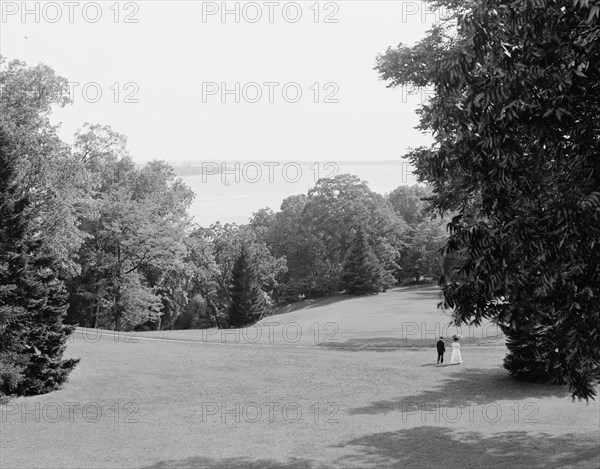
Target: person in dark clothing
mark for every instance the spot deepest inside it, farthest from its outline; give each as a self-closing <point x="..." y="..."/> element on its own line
<point x="441" y="348"/>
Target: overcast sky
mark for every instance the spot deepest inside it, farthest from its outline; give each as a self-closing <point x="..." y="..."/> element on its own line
<point x="169" y="61"/>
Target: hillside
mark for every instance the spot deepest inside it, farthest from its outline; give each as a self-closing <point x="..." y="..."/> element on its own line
<point x="400" y="317"/>
<point x="173" y="400"/>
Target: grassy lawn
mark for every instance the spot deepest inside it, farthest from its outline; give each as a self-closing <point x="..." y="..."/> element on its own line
<point x="364" y="392"/>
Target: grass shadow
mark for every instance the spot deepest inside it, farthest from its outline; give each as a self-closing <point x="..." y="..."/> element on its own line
<point x="198" y="462"/>
<point x="467" y="387"/>
<point x="312" y="303"/>
<point x="385" y="344"/>
<point x="428" y="294"/>
<point x="422" y="291"/>
<point x="440" y="447"/>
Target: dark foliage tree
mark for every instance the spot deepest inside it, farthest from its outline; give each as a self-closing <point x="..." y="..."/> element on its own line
<point x="533" y="356"/>
<point x="33" y="301"/>
<point x="516" y="119"/>
<point x="362" y="274"/>
<point x="248" y="303"/>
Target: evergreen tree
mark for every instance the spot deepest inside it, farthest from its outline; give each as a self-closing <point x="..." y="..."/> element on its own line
<point x="33" y="300"/>
<point x="362" y="272"/>
<point x="248" y="303"/>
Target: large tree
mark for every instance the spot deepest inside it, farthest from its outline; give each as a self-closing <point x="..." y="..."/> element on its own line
<point x="515" y="118"/>
<point x="33" y="301"/>
<point x="133" y="267"/>
<point x="338" y="207"/>
<point x="46" y="170"/>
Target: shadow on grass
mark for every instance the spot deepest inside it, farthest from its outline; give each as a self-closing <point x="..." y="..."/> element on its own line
<point x="385" y="344"/>
<point x="427" y="294"/>
<point x="439" y="447"/>
<point x="234" y="463"/>
<point x="423" y="292"/>
<point x="434" y="447"/>
<point x="313" y="303"/>
<point x="467" y="387"/>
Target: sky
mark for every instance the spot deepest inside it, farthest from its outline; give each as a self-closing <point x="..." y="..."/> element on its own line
<point x="192" y="81"/>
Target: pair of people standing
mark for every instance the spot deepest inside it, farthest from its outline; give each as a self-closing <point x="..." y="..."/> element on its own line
<point x="455" y="358"/>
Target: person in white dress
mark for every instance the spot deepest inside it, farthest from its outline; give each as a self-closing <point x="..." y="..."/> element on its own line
<point x="455" y="358"/>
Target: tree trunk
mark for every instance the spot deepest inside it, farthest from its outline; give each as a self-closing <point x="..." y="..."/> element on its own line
<point x="118" y="310"/>
<point x="97" y="312"/>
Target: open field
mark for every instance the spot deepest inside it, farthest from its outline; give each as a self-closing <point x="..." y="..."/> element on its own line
<point x="374" y="398"/>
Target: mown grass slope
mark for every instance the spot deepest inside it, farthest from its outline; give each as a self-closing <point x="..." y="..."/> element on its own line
<point x="181" y="399"/>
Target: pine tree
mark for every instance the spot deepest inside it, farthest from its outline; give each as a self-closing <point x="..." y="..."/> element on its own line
<point x="362" y="272"/>
<point x="33" y="301"/>
<point x="248" y="303"/>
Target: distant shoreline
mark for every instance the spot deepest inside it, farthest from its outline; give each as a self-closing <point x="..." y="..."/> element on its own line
<point x="198" y="167"/>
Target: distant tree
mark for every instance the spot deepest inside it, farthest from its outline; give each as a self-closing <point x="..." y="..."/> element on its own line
<point x="262" y="222"/>
<point x="248" y="303"/>
<point x="423" y="241"/>
<point x="226" y="242"/>
<point x="335" y="209"/>
<point x="362" y="274"/>
<point x="422" y="256"/>
<point x="293" y="235"/>
<point x="410" y="202"/>
<point x="33" y="301"/>
<point x="205" y="280"/>
<point x="195" y="315"/>
<point x="314" y="232"/>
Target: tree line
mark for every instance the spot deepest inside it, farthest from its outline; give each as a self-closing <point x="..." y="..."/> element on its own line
<point x="102" y="242"/>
